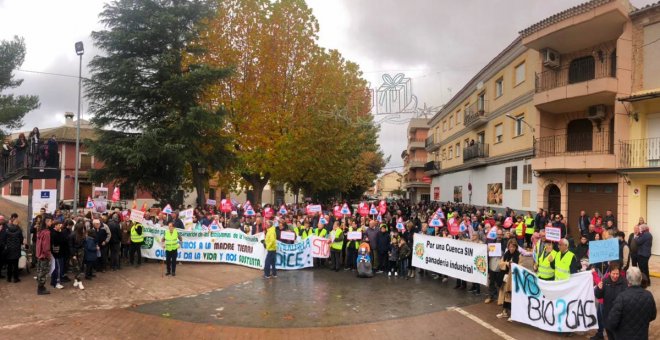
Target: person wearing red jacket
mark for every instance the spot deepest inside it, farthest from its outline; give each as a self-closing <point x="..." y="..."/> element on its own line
<point x="43" y="254"/>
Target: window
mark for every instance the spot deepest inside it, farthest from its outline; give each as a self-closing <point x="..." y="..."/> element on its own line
<point x="16" y="188"/>
<point x="451" y="122"/>
<point x="520" y="73"/>
<point x="444" y="154"/>
<point x="511" y="178"/>
<point x="457" y="120"/>
<point x="498" y="133"/>
<point x="481" y="102"/>
<point x="458" y="149"/>
<point x="85" y="162"/>
<point x="518" y="128"/>
<point x="444" y="125"/>
<point x="451" y="152"/>
<point x="499" y="87"/>
<point x="527" y="174"/>
<point x="581" y="69"/>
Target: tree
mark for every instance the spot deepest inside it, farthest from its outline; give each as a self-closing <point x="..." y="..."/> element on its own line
<point x="298" y="113"/>
<point x="145" y="95"/>
<point x="13" y="108"/>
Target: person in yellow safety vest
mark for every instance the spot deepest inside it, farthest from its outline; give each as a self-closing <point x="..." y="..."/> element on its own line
<point x="320" y="230"/>
<point x="171" y="240"/>
<point x="520" y="227"/>
<point x="531" y="228"/>
<point x="136" y="243"/>
<point x="303" y="231"/>
<point x="270" y="241"/>
<point x="352" y="247"/>
<point x="543" y="265"/>
<point x="337" y="237"/>
<point x="565" y="262"/>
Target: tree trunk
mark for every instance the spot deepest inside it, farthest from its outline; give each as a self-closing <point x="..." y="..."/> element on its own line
<point x="198" y="182"/>
<point x="258" y="183"/>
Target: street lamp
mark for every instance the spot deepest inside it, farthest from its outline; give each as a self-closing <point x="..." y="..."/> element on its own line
<point x="80" y="50"/>
<point x="508" y="115"/>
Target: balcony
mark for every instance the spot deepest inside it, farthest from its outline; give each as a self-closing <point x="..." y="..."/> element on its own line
<point x="639" y="154"/>
<point x="583" y="82"/>
<point x="593" y="151"/>
<point x="417" y="182"/>
<point x="478" y="151"/>
<point x="430" y="144"/>
<point x="432" y="168"/>
<point x="418" y="123"/>
<point x="416" y="143"/>
<point x="475" y="114"/>
<point x="415" y="163"/>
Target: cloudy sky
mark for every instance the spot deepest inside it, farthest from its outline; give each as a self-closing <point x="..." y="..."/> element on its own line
<point x="439" y="44"/>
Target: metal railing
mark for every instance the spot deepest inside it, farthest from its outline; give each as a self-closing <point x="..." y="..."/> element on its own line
<point x="430" y="142"/>
<point x="477" y="150"/>
<point x="575" y="144"/>
<point x="577" y="71"/>
<point x="639" y="153"/>
<point x="432" y="166"/>
<point x="30" y="157"/>
<point x="475" y="112"/>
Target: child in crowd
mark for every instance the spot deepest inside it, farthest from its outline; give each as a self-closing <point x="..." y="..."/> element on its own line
<point x="404" y="252"/>
<point x="393" y="256"/>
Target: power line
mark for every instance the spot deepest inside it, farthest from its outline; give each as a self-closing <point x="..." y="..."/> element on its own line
<point x="50" y="73"/>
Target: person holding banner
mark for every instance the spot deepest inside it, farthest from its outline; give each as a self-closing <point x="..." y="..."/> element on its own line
<point x="564" y="262"/>
<point x="512" y="255"/>
<point x="352" y="246"/>
<point x="136" y="243"/>
<point x="543" y="266"/>
<point x="494" y="272"/>
<point x="337" y="237"/>
<point x="171" y="240"/>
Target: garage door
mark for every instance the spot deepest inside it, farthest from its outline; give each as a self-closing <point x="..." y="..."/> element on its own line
<point x="590" y="197"/>
<point x="653" y="218"/>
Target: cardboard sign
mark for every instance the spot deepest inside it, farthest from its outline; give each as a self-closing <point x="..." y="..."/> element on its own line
<point x="492" y="233"/>
<point x="373" y="210"/>
<point x="288" y="235"/>
<point x="268" y="212"/>
<point x="323" y="221"/>
<point x="137" y="216"/>
<point x="225" y="206"/>
<point x="553" y="234"/>
<point x="602" y="251"/>
<point x="211" y="202"/>
<point x="90" y="203"/>
<point x="283" y="210"/>
<point x="382" y="207"/>
<point x="345" y="210"/>
<point x="440" y="214"/>
<point x="354" y="235"/>
<point x="250" y="212"/>
<point x="379" y="218"/>
<point x="337" y="211"/>
<point x="494" y="249"/>
<point x="167" y="209"/>
<point x="363" y="209"/>
<point x="508" y="222"/>
<point x="435" y="223"/>
<point x="313" y="209"/>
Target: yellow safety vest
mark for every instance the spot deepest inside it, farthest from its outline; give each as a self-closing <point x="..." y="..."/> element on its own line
<point x="271" y="239"/>
<point x="545" y="271"/>
<point x="171" y="240"/>
<point x="355" y="242"/>
<point x="519" y="228"/>
<point x="337" y="244"/>
<point x="135" y="237"/>
<point x="321" y="233"/>
<point x="563" y="266"/>
<point x="530" y="229"/>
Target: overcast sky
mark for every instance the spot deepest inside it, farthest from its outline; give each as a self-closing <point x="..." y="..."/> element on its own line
<point x="439" y="44"/>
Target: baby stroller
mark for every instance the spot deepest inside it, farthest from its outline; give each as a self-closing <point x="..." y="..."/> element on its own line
<point x="364" y="264"/>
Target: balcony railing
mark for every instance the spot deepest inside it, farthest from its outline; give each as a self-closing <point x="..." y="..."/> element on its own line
<point x="432" y="166"/>
<point x="430" y="143"/>
<point x="31" y="157"/>
<point x="476" y="113"/>
<point x="415" y="162"/>
<point x="478" y="150"/>
<point x="575" y="144"/>
<point x="577" y="71"/>
<point x="640" y="153"/>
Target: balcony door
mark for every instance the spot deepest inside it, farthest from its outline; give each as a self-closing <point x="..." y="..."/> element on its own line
<point x="653" y="135"/>
<point x="581" y="69"/>
<point x="579" y="136"/>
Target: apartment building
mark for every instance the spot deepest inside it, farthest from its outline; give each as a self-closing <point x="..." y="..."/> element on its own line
<point x="639" y="155"/>
<point x="415" y="182"/>
<point x="583" y="65"/>
<point x="481" y="142"/>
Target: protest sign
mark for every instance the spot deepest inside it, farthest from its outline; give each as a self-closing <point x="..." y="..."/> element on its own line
<point x="552" y="234"/>
<point x="363" y="209"/>
<point x="283" y="210"/>
<point x="372" y="210"/>
<point x="459" y="259"/>
<point x="288" y="235"/>
<point x="556" y="306"/>
<point x="345" y="210"/>
<point x="602" y="251"/>
<point x="313" y="209"/>
<point x="100" y="199"/>
<point x="294" y="256"/>
<point x="226" y="246"/>
<point x="320" y="247"/>
<point x="186" y="217"/>
<point x="115" y="195"/>
<point x="382" y="207"/>
<point x="137" y="216"/>
<point x="167" y="209"/>
<point x="494" y="249"/>
<point x="90" y="203"/>
<point x="268" y="212"/>
<point x="435" y="223"/>
<point x="354" y="235"/>
<point x="337" y="211"/>
<point x="44" y="199"/>
<point x="211" y="202"/>
<point x="225" y="205"/>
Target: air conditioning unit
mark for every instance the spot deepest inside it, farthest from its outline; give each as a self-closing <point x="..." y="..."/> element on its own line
<point x="597" y="112"/>
<point x="550" y="58"/>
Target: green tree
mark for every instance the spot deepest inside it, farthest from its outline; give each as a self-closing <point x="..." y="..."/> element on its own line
<point x="145" y="96"/>
<point x="13" y="108"/>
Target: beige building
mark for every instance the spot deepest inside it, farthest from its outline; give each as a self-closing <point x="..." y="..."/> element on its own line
<point x="415" y="182"/>
<point x="583" y="64"/>
<point x="639" y="155"/>
<point x="480" y="144"/>
<point x="388" y="184"/>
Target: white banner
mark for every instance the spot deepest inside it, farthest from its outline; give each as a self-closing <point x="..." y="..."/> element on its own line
<point x="225" y="246"/>
<point x="460" y="259"/>
<point x="288" y="235"/>
<point x="44" y="199"/>
<point x="100" y="199"/>
<point x="137" y="216"/>
<point x="320" y="247"/>
<point x="556" y="306"/>
<point x="294" y="256"/>
<point x="186" y="217"/>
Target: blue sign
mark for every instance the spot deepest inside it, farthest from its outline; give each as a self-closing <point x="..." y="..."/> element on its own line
<point x="345" y="211"/>
<point x="45" y="194"/>
<point x="436" y="223"/>
<point x="323" y="220"/>
<point x="601" y="251"/>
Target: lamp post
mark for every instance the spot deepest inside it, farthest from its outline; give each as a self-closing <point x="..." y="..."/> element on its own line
<point x="508" y="115"/>
<point x="80" y="50"/>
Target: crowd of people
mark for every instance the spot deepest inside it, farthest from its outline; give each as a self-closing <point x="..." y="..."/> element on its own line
<point x="83" y="245"/>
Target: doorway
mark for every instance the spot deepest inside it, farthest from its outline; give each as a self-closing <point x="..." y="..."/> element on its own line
<point x="554" y="199"/>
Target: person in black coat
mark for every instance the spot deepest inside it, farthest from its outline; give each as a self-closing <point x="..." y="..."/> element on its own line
<point x="13" y="240"/>
<point x="632" y="310"/>
<point x="382" y="244"/>
<point x="608" y="290"/>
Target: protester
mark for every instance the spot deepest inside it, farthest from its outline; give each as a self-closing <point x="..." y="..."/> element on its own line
<point x="644" y="244"/>
<point x="92" y="250"/>
<point x="608" y="289"/>
<point x="512" y="255"/>
<point x="633" y="309"/>
<point x="136" y="242"/>
<point x="564" y="262"/>
<point x="171" y="240"/>
<point x="632" y="243"/>
<point x="77" y="248"/>
<point x="271" y="248"/>
<point x="12" y="239"/>
<point x="43" y="255"/>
